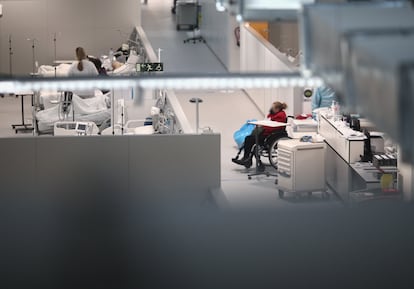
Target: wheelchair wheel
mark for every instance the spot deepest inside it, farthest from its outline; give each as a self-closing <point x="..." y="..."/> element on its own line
<point x="272" y="151"/>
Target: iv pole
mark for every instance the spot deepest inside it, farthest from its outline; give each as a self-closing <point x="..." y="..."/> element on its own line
<point x="54" y="47"/>
<point x="33" y="55"/>
<point x="10" y="56"/>
<point x="33" y="75"/>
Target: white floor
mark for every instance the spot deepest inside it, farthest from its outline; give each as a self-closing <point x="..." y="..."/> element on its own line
<point x="178" y="57"/>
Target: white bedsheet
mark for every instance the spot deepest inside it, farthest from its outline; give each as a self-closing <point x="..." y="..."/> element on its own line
<point x="89" y="105"/>
<point x="129" y="67"/>
<point x="49" y="98"/>
<point x="90" y="109"/>
<point x="49" y="71"/>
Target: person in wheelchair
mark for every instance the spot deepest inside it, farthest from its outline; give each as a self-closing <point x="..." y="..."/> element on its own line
<point x="266" y="135"/>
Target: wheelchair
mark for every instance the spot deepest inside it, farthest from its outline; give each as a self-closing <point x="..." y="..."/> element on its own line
<point x="267" y="148"/>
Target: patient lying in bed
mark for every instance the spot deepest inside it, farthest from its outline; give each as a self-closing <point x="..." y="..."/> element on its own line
<point x="62" y="70"/>
<point x="128" y="67"/>
<point x="95" y="109"/>
<point x="113" y="67"/>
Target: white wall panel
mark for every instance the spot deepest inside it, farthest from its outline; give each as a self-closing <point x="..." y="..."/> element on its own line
<point x="257" y="55"/>
<point x="22" y="20"/>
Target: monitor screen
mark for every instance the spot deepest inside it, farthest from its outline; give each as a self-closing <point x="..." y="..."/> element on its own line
<point x="81" y="126"/>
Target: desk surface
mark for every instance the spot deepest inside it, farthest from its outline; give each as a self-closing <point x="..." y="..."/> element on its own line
<point x="269" y="123"/>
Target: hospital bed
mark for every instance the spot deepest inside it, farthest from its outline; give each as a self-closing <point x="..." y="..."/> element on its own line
<point x="131" y="127"/>
<point x="95" y="109"/>
<point x="75" y="128"/>
<point x="62" y="70"/>
<point x="123" y="126"/>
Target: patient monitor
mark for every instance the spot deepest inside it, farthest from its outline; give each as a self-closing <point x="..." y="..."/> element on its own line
<point x="75" y="128"/>
<point x="82" y="128"/>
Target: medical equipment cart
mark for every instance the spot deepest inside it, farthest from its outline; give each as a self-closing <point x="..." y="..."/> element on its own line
<point x="301" y="167"/>
<point x="187" y="14"/>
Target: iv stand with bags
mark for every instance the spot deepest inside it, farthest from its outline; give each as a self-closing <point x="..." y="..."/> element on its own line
<point x="33" y="40"/>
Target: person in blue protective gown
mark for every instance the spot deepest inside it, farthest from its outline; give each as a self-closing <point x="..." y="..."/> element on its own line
<point x="322" y="97"/>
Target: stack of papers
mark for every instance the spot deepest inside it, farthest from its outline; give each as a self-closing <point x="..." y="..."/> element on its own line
<point x="348" y="132"/>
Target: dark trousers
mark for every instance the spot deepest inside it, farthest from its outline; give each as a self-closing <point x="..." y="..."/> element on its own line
<point x="174" y="6"/>
<point x="249" y="143"/>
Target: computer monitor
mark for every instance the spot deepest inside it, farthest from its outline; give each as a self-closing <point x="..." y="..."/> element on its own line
<point x="81" y="127"/>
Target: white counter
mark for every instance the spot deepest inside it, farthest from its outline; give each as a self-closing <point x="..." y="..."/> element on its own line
<point x="347" y="143"/>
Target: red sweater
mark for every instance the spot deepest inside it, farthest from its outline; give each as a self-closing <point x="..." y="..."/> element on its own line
<point x="280" y="117"/>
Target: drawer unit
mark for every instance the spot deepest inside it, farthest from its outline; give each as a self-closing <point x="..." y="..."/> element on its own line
<point x="301" y="165"/>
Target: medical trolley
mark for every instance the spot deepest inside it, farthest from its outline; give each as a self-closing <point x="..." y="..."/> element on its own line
<point x="187" y="14"/>
<point x="301" y="167"/>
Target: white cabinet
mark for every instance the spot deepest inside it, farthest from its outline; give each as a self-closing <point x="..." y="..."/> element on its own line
<point x="301" y="166"/>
